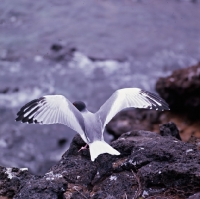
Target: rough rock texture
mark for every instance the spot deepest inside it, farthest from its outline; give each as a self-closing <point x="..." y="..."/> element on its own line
<point x="150" y="166"/>
<point x="11" y="179"/>
<point x="189" y="129"/>
<point x="170" y="129"/>
<point x="182" y="90"/>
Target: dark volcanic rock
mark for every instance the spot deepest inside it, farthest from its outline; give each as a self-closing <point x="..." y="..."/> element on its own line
<point x="149" y="165"/>
<point x="11" y="179"/>
<point x="182" y="90"/>
<point x="169" y="129"/>
<point x="48" y="187"/>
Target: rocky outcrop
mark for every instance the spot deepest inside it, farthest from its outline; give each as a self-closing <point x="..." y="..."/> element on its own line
<point x="150" y="165"/>
<point x="182" y="90"/>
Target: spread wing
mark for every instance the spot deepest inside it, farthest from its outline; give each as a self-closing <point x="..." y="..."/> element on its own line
<point x="52" y="109"/>
<point x="127" y="98"/>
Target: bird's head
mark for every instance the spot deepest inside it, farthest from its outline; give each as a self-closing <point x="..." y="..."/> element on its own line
<point x="80" y="105"/>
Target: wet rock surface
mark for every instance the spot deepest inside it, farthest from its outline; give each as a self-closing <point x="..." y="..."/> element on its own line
<point x="150" y="166"/>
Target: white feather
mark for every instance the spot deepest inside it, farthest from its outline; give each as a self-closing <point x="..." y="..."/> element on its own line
<point x="127" y="98"/>
<point x="100" y="147"/>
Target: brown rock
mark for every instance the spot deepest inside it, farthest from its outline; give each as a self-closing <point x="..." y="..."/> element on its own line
<point x="181" y="90"/>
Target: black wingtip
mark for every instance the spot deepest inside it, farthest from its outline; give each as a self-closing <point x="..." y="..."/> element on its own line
<point x="164" y="105"/>
<point x="27" y="112"/>
<point x="27" y="120"/>
<point x="20" y="117"/>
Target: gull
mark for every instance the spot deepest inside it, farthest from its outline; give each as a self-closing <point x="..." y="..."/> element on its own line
<point x="51" y="109"/>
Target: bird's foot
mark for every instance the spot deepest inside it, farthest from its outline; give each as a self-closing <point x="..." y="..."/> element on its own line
<point x="83" y="147"/>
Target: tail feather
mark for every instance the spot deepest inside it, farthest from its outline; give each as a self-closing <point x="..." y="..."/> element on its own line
<point x="100" y="147"/>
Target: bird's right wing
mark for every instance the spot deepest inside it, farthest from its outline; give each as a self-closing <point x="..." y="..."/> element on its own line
<point x="52" y="109"/>
<point x="127" y="98"/>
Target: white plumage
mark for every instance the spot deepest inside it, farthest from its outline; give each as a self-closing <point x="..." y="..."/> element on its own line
<point x="52" y="109"/>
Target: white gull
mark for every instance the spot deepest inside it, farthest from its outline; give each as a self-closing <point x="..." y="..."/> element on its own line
<point x="51" y="109"/>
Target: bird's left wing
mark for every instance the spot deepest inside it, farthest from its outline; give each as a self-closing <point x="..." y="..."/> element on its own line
<point x="52" y="109"/>
<point x="127" y="98"/>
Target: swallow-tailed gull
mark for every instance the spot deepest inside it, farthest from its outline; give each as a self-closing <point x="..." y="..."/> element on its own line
<point x="52" y="109"/>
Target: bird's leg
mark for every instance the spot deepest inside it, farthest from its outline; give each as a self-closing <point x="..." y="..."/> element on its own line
<point x="83" y="147"/>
